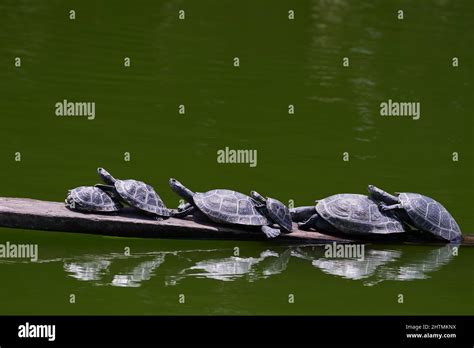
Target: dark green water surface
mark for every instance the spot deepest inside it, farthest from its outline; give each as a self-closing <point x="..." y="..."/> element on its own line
<point x="300" y="155"/>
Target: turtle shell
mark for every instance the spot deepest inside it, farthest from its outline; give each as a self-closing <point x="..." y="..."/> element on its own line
<point x="142" y="196"/>
<point x="430" y="216"/>
<point x="279" y="213"/>
<point x="91" y="199"/>
<point x="226" y="206"/>
<point x="357" y="214"/>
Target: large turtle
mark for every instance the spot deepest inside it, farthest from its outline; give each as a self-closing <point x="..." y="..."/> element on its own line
<point x="91" y="199"/>
<point x="274" y="210"/>
<point x="422" y="212"/>
<point x="136" y="194"/>
<point x="222" y="206"/>
<point x="348" y="213"/>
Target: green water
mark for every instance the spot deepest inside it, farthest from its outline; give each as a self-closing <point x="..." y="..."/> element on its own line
<point x="300" y="155"/>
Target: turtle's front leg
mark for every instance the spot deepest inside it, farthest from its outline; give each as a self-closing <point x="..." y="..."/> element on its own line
<point x="184" y="206"/>
<point x="270" y="232"/>
<point x="309" y="223"/>
<point x="182" y="212"/>
<point x="317" y="223"/>
<point x="300" y="214"/>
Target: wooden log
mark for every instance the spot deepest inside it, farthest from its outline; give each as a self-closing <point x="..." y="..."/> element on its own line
<point x="54" y="216"/>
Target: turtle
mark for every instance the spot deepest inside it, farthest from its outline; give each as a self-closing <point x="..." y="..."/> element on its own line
<point x="221" y="206"/>
<point x="419" y="211"/>
<point x="135" y="193"/>
<point x="91" y="199"/>
<point x="351" y="214"/>
<point x="274" y="210"/>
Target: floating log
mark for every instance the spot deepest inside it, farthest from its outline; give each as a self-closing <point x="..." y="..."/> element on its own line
<point x="54" y="216"/>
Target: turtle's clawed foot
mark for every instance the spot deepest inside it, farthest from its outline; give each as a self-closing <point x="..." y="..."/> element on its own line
<point x="383" y="207"/>
<point x="174" y="212"/>
<point x="183" y="206"/>
<point x="271" y="232"/>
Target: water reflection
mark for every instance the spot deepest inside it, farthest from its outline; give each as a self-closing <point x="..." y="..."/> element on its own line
<point x="138" y="274"/>
<point x="231" y="268"/>
<point x="416" y="266"/>
<point x="175" y="267"/>
<point x="351" y="268"/>
<point x="225" y="269"/>
<point x="390" y="264"/>
<point x="87" y="270"/>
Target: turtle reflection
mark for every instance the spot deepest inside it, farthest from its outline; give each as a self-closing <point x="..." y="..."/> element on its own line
<point x="138" y="274"/>
<point x="87" y="270"/>
<point x="416" y="266"/>
<point x="97" y="268"/>
<point x="381" y="265"/>
<point x="268" y="263"/>
<point x="378" y="265"/>
<point x="349" y="268"/>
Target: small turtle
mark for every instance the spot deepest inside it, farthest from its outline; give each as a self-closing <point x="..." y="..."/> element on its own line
<point x="222" y="206"/>
<point x="274" y="210"/>
<point x="422" y="212"/>
<point x="351" y="214"/>
<point x="91" y="199"/>
<point x="135" y="193"/>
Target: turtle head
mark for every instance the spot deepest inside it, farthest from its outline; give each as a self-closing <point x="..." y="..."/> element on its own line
<point x="257" y="196"/>
<point x="380" y="195"/>
<point x="373" y="189"/>
<point x="105" y="176"/>
<point x="181" y="190"/>
<point x="375" y="193"/>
